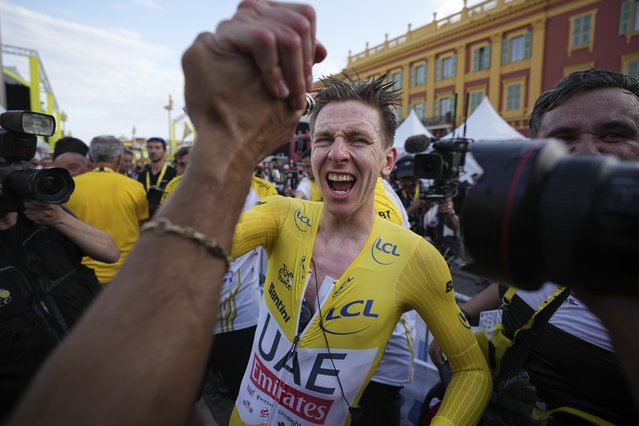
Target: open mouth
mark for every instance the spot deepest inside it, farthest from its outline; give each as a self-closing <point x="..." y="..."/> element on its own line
<point x="341" y="183"/>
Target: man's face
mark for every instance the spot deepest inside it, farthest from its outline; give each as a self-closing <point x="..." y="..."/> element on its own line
<point x="604" y="121"/>
<point x="348" y="156"/>
<point x="155" y="151"/>
<point x="181" y="163"/>
<point x="126" y="162"/>
<point x="75" y="163"/>
<point x="407" y="183"/>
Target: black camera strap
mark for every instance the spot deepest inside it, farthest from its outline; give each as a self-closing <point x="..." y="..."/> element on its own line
<point x="524" y="340"/>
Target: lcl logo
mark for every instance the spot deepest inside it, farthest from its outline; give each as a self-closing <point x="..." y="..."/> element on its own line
<point x="354" y="309"/>
<point x="301" y="222"/>
<point x="382" y="250"/>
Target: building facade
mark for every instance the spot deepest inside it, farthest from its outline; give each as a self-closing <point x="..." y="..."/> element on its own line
<point x="508" y="50"/>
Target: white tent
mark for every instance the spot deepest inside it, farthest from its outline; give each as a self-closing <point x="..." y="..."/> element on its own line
<point x="410" y="127"/>
<point x="483" y="124"/>
<point x="486" y="124"/>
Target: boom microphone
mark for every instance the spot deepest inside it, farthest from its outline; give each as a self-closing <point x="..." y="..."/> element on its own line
<point x="417" y="144"/>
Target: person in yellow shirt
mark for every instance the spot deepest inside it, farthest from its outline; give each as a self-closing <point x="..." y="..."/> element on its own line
<point x="109" y="201"/>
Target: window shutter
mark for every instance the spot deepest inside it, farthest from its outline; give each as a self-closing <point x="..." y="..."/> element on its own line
<point x="486" y="58"/>
<point x="527" y="44"/>
<point x="624" y="20"/>
<point x="476" y="59"/>
<point x="505" y="51"/>
<point x="438" y="69"/>
<point x="453" y="65"/>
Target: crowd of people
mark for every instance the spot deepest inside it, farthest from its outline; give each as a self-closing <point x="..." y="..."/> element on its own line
<point x="166" y="261"/>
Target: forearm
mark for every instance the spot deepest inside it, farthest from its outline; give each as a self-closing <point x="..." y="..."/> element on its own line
<point x="487" y="299"/>
<point x="94" y="243"/>
<point x="155" y="307"/>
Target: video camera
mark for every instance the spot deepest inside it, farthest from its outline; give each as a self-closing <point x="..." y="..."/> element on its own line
<point x="444" y="164"/>
<point x="18" y="142"/>
<point x="538" y="214"/>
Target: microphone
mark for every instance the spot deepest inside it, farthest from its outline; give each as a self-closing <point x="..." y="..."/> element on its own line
<point x="417" y="144"/>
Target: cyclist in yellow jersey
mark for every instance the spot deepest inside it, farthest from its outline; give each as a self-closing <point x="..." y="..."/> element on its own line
<point x="339" y="278"/>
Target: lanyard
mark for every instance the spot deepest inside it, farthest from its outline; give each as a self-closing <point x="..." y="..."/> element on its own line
<point x="415" y="195"/>
<point x="103" y="169"/>
<point x="159" y="179"/>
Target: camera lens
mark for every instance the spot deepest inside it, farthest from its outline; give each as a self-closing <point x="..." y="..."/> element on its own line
<point x="53" y="186"/>
<point x="49" y="185"/>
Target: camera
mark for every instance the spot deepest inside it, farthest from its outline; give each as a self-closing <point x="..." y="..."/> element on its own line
<point x="292" y="179"/>
<point x="539" y="214"/>
<point x="443" y="164"/>
<point x="18" y="142"/>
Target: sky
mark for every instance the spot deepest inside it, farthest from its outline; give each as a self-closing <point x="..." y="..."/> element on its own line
<point x="112" y="64"/>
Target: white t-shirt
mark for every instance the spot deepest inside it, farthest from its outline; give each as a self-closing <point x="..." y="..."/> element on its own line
<point x="572" y="316"/>
<point x="241" y="294"/>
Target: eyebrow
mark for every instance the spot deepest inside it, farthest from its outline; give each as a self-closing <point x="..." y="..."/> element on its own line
<point x="624" y="125"/>
<point x="627" y="126"/>
<point x="349" y="134"/>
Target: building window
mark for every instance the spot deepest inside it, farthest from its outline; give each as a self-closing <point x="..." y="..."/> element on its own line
<point x="475" y="100"/>
<point x="397" y="78"/>
<point x="418" y="75"/>
<point x="420" y="109"/>
<point x="513" y="97"/>
<point x="445" y="67"/>
<point x="516" y="48"/>
<point x="581" y="34"/>
<point x="481" y="58"/>
<point x="629" y="20"/>
<point x="444" y="108"/>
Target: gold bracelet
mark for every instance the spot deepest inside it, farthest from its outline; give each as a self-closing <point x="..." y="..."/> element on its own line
<point x="162" y="225"/>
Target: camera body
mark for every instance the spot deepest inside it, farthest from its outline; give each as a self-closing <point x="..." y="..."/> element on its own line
<point x="18" y="181"/>
<point x="292" y="179"/>
<point x="538" y="214"/>
<point x="443" y="164"/>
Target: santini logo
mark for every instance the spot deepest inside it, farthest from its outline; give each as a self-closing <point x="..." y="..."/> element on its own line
<point x="302" y="222"/>
<point x="382" y="251"/>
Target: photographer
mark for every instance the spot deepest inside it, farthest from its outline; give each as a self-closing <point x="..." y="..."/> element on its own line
<point x="571" y="362"/>
<point x="44" y="287"/>
<point x="442" y="228"/>
<point x="412" y="194"/>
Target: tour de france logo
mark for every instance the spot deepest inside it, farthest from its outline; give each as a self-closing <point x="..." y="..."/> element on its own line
<point x="384" y="253"/>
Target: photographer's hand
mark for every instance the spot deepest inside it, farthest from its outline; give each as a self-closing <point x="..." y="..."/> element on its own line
<point x="93" y="242"/>
<point x="447" y="211"/>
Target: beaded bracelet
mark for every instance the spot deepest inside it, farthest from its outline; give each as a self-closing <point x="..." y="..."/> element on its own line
<point x="163" y="225"/>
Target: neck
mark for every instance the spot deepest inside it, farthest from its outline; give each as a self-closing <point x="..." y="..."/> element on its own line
<point x="8" y="220"/>
<point x="104" y="164"/>
<point x="157" y="166"/>
<point x="355" y="225"/>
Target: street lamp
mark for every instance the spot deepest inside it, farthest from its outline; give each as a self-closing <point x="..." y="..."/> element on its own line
<point x="169" y="108"/>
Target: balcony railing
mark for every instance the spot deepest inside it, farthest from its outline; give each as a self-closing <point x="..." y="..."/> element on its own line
<point x="466" y="14"/>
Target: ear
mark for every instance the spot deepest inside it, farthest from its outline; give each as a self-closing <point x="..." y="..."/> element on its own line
<point x="389" y="162"/>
